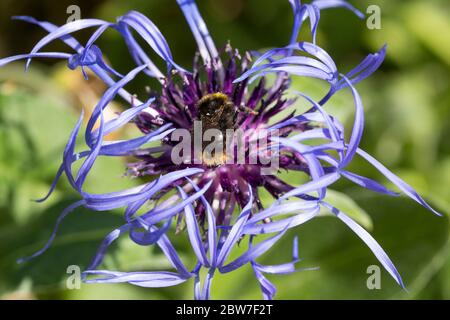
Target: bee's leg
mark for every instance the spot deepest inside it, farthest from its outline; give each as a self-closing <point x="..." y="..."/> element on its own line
<point x="242" y="111"/>
<point x="247" y="110"/>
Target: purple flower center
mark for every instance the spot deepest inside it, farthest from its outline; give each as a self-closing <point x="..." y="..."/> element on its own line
<point x="216" y="102"/>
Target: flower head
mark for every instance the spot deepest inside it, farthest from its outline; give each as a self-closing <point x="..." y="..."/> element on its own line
<point x="211" y="190"/>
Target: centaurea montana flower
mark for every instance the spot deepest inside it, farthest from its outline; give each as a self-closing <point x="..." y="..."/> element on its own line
<point x="206" y="195"/>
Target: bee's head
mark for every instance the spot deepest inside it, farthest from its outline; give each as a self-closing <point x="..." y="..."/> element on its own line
<point x="211" y="104"/>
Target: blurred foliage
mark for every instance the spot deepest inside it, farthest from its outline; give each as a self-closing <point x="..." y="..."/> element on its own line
<point x="407" y="106"/>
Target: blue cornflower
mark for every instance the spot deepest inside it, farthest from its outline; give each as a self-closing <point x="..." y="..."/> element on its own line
<point x="218" y="93"/>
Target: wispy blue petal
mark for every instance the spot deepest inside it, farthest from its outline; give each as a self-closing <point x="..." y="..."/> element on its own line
<point x="367" y="183"/>
<point x="123" y="119"/>
<point x="50" y="55"/>
<point x="156" y="215"/>
<point x="235" y="232"/>
<point x="316" y="70"/>
<point x="107" y="97"/>
<point x="326" y="4"/>
<point x="267" y="287"/>
<point x="370" y="241"/>
<point x="110" y="201"/>
<point x="212" y="234"/>
<point x="280" y="225"/>
<point x="69" y="151"/>
<point x="358" y="127"/>
<point x="402" y="185"/>
<point x="137" y="53"/>
<point x="151" y="34"/>
<point x="194" y="231"/>
<point x="364" y="70"/>
<point x="60" y="219"/>
<point x="141" y="279"/>
<point x="316" y="170"/>
<point x="148" y="238"/>
<point x="199" y="29"/>
<point x="91" y="158"/>
<point x="284" y="208"/>
<point x="253" y="252"/>
<point x="109" y="239"/>
<point x="74" y="44"/>
<point x="65" y="30"/>
<point x="301" y="13"/>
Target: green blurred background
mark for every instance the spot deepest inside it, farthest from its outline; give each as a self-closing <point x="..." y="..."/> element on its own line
<point x="407" y="105"/>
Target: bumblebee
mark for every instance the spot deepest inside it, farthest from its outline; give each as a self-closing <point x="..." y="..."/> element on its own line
<point x="216" y="111"/>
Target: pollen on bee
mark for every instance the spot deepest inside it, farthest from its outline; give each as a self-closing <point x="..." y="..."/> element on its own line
<point x="215" y="159"/>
